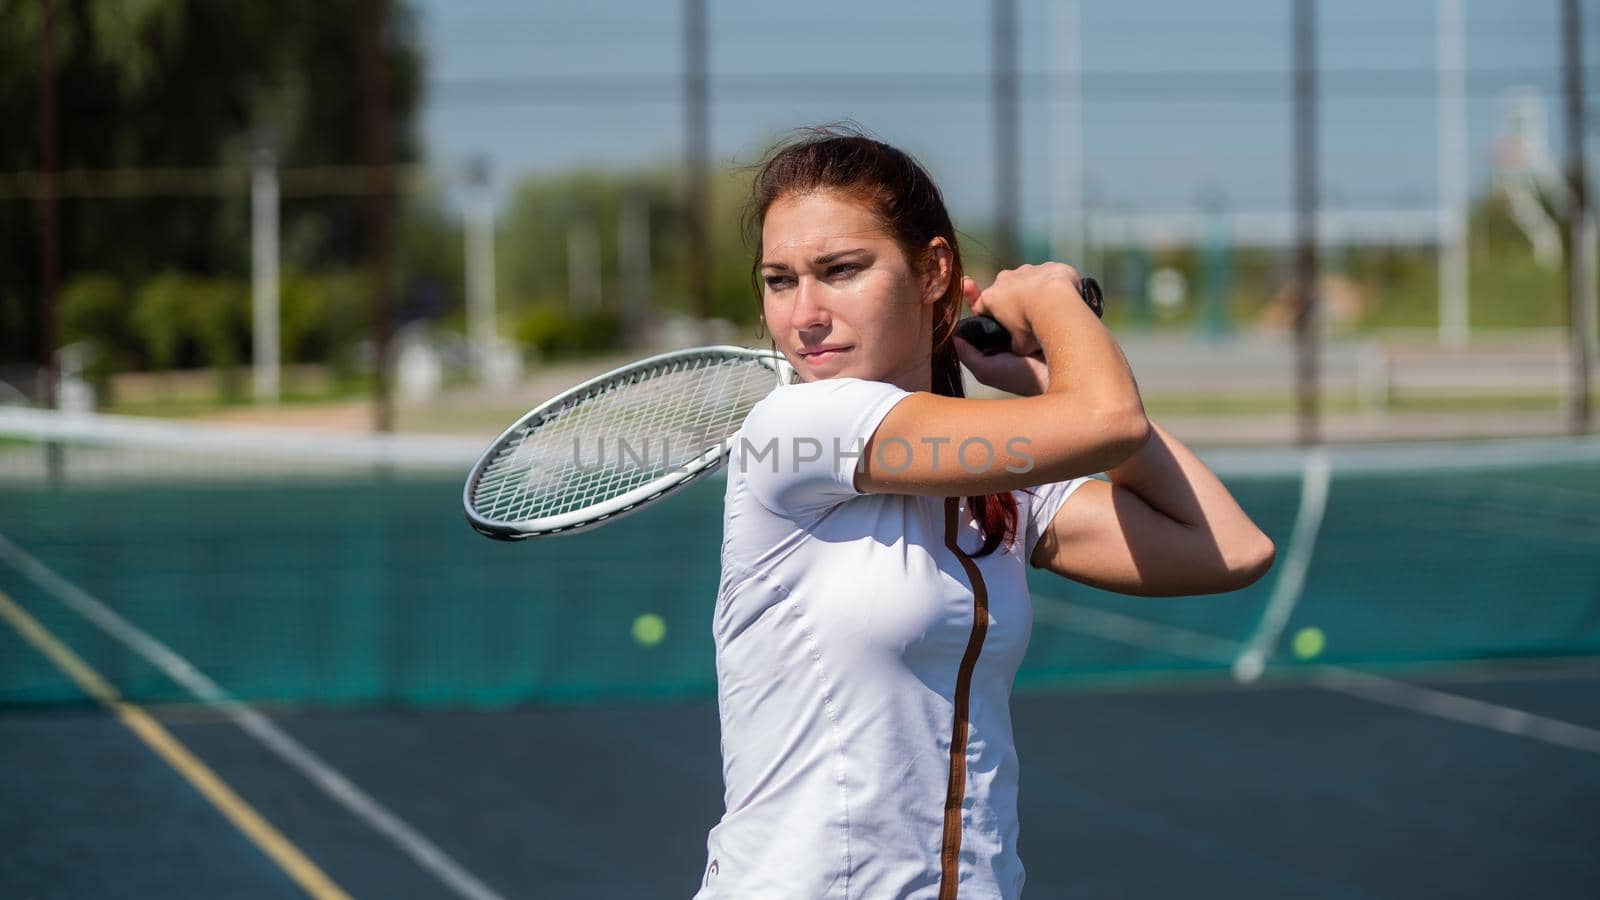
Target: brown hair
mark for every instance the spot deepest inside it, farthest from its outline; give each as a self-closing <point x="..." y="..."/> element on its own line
<point x="901" y="193"/>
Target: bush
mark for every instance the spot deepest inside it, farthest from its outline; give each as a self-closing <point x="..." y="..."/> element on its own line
<point x="182" y="319"/>
<point x="555" y="332"/>
<point x="323" y="317"/>
<point x="94" y="311"/>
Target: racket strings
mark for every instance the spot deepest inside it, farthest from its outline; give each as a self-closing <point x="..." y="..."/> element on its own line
<point x="669" y="423"/>
<point x="620" y="436"/>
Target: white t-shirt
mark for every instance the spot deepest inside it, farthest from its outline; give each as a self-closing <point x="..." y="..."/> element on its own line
<point x="841" y="622"/>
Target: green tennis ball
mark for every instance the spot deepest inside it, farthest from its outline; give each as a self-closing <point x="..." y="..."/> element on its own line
<point x="1309" y="643"/>
<point x="649" y="630"/>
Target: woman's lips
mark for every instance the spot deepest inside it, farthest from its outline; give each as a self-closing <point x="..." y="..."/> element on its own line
<point x="821" y="356"/>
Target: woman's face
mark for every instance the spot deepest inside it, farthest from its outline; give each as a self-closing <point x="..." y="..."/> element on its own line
<point x="839" y="296"/>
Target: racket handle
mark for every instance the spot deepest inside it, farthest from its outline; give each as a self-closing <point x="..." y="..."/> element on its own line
<point x="990" y="337"/>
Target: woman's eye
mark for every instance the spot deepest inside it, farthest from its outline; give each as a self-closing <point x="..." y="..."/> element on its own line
<point x="843" y="269"/>
<point x="777" y="281"/>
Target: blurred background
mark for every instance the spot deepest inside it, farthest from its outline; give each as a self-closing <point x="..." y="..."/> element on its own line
<point x="231" y="211"/>
<point x="271" y="276"/>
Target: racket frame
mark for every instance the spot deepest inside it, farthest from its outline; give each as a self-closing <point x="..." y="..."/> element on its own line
<point x="632" y="501"/>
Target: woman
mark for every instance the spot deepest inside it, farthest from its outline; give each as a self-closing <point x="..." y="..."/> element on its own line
<point x="873" y="607"/>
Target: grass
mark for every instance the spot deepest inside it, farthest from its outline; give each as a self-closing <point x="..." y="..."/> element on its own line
<point x="198" y="393"/>
<point x="1506" y="288"/>
<point x="1399" y="286"/>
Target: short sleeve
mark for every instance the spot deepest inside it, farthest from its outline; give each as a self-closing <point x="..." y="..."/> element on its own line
<point x="1046" y="501"/>
<point x="800" y="447"/>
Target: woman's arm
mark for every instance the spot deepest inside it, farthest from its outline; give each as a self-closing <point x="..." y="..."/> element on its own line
<point x="1165" y="526"/>
<point x="1088" y="419"/>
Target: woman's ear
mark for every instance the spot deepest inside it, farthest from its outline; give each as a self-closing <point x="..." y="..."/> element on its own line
<point x="940" y="263"/>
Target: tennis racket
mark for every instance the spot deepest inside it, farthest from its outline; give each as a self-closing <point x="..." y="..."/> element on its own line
<point x="605" y="448"/>
<point x="630" y="437"/>
<point x="990" y="337"/>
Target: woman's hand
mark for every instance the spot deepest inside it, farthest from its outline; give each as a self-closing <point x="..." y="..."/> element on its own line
<point x="1025" y="376"/>
<point x="1022" y="371"/>
<point x="1018" y="296"/>
<point x="1085" y="415"/>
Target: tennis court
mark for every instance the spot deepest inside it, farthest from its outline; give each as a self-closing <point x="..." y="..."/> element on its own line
<point x="259" y="663"/>
<point x="274" y="660"/>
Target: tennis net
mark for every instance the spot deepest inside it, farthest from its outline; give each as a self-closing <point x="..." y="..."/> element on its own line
<point x="303" y="567"/>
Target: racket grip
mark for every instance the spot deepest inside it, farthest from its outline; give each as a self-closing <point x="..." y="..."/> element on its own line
<point x="990" y="337"/>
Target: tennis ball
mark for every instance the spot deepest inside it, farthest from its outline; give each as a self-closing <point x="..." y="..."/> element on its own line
<point x="649" y="629"/>
<point x="1309" y="643"/>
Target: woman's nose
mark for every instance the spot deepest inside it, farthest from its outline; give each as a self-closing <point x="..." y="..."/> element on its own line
<point x="808" y="311"/>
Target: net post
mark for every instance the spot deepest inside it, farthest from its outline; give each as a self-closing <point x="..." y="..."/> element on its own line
<point x="264" y="290"/>
<point x="1578" y="326"/>
<point x="1308" y="334"/>
<point x="49" y="233"/>
<point x="379" y="200"/>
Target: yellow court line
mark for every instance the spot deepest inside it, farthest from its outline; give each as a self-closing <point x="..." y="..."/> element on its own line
<point x="260" y="832"/>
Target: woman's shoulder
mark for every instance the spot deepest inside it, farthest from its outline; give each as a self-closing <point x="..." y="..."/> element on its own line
<point x="799" y="448"/>
<point x="821" y="409"/>
<point x="826" y="393"/>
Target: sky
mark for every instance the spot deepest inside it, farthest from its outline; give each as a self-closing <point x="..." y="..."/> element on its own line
<point x="1183" y="101"/>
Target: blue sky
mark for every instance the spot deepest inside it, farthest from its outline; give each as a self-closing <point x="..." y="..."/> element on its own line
<point x="1160" y="132"/>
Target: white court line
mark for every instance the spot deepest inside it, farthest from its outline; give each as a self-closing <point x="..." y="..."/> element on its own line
<point x="1292" y="574"/>
<point x="357" y="802"/>
<point x="1133" y="631"/>
<point x="1462" y="709"/>
<point x="1205" y="648"/>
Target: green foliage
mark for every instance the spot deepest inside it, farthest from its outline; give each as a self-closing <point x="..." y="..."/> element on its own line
<point x="732" y="295"/>
<point x="180" y="83"/>
<point x="323" y="317"/>
<point x="1398" y="284"/>
<point x="430" y="272"/>
<point x="94" y="311"/>
<point x="553" y="332"/>
<point x="532" y="249"/>
<point x="542" y="211"/>
<point x="1507" y="288"/>
<point x="180" y="318"/>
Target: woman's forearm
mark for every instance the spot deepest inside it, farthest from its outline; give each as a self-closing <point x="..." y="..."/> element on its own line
<point x="1083" y="357"/>
<point x="1170" y="478"/>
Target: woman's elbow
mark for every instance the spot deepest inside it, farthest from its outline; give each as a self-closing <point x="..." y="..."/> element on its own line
<point x="1136" y="430"/>
<point x="1124" y="433"/>
<point x="1254" y="563"/>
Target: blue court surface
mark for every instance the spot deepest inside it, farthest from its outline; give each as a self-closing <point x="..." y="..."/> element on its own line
<point x="1204" y="791"/>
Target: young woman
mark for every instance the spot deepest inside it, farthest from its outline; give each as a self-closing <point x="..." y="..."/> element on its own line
<point x="878" y="526"/>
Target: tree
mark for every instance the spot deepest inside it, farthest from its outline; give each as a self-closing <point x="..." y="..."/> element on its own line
<point x="179" y="84"/>
<point x="542" y="211"/>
